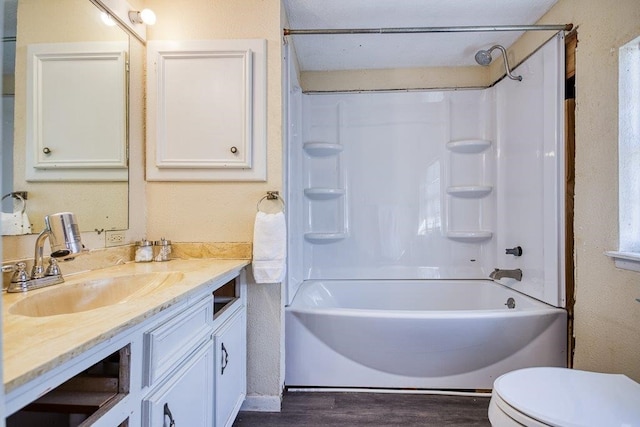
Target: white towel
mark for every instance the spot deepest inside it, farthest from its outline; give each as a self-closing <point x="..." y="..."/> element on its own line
<point x="269" y="248"/>
<point x="15" y="224"/>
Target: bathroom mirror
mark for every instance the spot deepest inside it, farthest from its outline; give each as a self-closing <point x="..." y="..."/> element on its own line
<point x="99" y="204"/>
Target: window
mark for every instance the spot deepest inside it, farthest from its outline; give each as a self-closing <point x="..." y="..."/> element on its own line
<point x="628" y="254"/>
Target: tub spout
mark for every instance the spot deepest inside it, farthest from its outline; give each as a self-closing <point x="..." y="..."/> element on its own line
<point x="498" y="274"/>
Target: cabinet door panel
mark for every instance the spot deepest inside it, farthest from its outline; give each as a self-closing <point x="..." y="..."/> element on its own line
<point x="206" y="110"/>
<point x="170" y="342"/>
<point x="231" y="349"/>
<point x="186" y="395"/>
<point x="76" y="112"/>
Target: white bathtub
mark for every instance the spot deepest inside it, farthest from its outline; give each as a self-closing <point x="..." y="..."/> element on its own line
<point x="426" y="334"/>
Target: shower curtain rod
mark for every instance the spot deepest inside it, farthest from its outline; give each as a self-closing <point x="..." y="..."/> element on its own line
<point x="417" y="30"/>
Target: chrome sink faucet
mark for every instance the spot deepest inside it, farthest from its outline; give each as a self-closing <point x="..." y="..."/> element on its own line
<point x="64" y="237"/>
<point x="498" y="274"/>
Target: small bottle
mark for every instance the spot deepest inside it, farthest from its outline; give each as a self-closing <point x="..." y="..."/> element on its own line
<point x="144" y="251"/>
<point x="162" y="249"/>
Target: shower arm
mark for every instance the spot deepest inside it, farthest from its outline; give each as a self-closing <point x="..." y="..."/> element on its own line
<point x="506" y="62"/>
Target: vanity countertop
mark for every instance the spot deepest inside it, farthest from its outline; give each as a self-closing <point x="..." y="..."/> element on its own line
<point x="33" y="346"/>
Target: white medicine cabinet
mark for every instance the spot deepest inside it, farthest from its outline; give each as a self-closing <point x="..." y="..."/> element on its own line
<point x="206" y="110"/>
<point x="76" y="112"/>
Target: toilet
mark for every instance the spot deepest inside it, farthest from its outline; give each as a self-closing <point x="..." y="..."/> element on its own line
<point x="564" y="397"/>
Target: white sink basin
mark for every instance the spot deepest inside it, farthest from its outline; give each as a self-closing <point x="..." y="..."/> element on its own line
<point x="91" y="294"/>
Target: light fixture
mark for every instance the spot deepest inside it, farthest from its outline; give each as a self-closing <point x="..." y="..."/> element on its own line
<point x="145" y="16"/>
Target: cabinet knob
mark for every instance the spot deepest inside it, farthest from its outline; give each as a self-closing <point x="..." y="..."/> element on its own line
<point x="46" y="150"/>
<point x="234" y="150"/>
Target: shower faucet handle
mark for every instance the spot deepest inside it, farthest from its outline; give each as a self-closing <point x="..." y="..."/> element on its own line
<point x="517" y="251"/>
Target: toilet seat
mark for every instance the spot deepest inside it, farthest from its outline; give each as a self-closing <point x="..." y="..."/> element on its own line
<point x="501" y="414"/>
<point x="566" y="398"/>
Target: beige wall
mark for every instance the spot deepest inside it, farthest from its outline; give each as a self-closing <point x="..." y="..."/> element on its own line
<point x="607" y="315"/>
<point x="394" y="78"/>
<point x="225" y="211"/>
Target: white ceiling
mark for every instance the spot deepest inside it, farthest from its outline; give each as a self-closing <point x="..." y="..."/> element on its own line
<point x="370" y="51"/>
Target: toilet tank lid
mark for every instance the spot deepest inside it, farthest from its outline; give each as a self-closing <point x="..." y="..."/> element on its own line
<point x="571" y="397"/>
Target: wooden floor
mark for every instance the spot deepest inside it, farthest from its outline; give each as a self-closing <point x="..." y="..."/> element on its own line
<point x="371" y="409"/>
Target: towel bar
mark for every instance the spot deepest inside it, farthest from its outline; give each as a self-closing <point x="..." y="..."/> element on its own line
<point x="271" y="195"/>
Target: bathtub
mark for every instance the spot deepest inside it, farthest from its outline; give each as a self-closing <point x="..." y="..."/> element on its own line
<point x="425" y="334"/>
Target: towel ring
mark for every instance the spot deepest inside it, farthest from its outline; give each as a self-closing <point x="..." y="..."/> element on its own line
<point x="19" y="197"/>
<point x="271" y="195"/>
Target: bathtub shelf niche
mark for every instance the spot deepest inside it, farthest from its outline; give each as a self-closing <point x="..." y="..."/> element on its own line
<point x="323" y="193"/>
<point x="470" y="191"/>
<point x="324" y="237"/>
<point x="470" y="236"/>
<point x="468" y="146"/>
<point x="321" y="149"/>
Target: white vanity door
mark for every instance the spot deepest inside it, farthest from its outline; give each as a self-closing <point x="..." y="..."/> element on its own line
<point x="185" y="397"/>
<point x="230" y="367"/>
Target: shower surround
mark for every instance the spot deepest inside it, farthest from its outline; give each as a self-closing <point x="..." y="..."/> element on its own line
<point x="428" y="185"/>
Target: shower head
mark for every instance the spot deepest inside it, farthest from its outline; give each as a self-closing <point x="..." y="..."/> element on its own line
<point x="483" y="57"/>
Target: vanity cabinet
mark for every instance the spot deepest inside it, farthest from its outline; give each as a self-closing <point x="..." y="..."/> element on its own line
<point x="185" y="365"/>
<point x="185" y="398"/>
<point x="178" y="364"/>
<point x="196" y="362"/>
<point x="230" y="368"/>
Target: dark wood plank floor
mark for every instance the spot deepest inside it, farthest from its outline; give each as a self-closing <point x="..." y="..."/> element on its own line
<point x="371" y="409"/>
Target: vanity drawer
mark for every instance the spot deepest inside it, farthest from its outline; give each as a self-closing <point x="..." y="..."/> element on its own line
<point x="167" y="345"/>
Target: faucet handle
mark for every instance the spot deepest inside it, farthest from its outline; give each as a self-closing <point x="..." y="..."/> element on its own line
<point x="53" y="269"/>
<point x="20" y="274"/>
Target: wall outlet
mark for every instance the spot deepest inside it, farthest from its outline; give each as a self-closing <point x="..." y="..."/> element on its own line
<point x="114" y="238"/>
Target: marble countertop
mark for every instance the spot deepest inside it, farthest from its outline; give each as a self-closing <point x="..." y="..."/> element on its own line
<point x="33" y="346"/>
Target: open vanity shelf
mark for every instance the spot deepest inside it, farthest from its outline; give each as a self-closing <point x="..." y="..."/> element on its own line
<point x="91" y="393"/>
